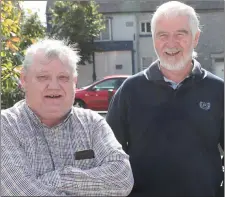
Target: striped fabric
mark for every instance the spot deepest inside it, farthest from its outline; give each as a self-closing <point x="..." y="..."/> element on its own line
<point x="40" y="161"/>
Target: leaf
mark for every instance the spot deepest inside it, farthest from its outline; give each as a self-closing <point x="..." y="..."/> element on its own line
<point x="15" y="28"/>
<point x="11" y="46"/>
<point x="29" y="11"/>
<point x="8" y="43"/>
<point x="8" y="22"/>
<point x="8" y="65"/>
<point x="3" y="54"/>
<point x="15" y="39"/>
<point x="33" y="40"/>
<point x="18" y="69"/>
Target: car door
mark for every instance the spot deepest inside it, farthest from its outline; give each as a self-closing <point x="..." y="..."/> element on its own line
<point x="100" y="94"/>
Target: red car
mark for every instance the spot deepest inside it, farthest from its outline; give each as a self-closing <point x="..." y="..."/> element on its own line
<point x="97" y="95"/>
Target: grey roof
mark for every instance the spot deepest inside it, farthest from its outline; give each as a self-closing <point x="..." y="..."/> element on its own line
<point x="118" y="6"/>
<point x="125" y="6"/>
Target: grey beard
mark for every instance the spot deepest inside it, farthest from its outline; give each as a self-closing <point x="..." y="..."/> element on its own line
<point x="177" y="66"/>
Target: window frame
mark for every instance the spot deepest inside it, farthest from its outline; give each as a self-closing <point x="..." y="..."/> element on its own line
<point x="144" y="32"/>
<point x="109" y="29"/>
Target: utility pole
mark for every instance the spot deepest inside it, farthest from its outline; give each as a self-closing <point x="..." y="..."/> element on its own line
<point x="93" y="58"/>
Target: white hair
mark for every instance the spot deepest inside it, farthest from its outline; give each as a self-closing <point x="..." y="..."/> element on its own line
<point x="53" y="49"/>
<point x="174" y="9"/>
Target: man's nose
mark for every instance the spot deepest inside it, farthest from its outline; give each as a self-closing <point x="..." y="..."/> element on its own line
<point x="171" y="42"/>
<point x="53" y="84"/>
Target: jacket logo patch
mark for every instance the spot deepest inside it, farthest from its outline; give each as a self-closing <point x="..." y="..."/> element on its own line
<point x="204" y="105"/>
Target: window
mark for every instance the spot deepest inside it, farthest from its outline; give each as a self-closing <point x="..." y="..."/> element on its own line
<point x="146" y="61"/>
<point x="109" y="84"/>
<point x="119" y="66"/>
<point x="105" y="85"/>
<point x="219" y="59"/>
<point x="105" y="34"/>
<point x="145" y="28"/>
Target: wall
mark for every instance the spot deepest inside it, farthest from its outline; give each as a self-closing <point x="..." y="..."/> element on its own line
<point x="84" y="75"/>
<point x="212" y="37"/>
<point x="106" y="63"/>
<point x="120" y="30"/>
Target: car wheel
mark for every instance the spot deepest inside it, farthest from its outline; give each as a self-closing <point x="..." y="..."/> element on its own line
<point x="79" y="103"/>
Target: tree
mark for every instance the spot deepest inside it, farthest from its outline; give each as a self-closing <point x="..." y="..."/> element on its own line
<point x="10" y="28"/>
<point x="16" y="36"/>
<point x="31" y="30"/>
<point x="77" y="22"/>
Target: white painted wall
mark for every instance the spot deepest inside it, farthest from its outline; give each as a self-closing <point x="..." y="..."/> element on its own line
<point x="145" y="44"/>
<point x="106" y="63"/>
<point x="84" y="75"/>
<point x="146" y="48"/>
<point x="146" y="16"/>
<point x="120" y="31"/>
<point x="218" y="69"/>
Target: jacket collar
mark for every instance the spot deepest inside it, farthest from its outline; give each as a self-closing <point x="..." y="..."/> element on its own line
<point x="153" y="73"/>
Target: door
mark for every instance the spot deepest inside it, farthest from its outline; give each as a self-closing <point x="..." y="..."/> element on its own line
<point x="100" y="94"/>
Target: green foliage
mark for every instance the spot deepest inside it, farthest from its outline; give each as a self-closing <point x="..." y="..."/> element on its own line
<point x="77" y="22"/>
<point x="31" y="30"/>
<point x="17" y="34"/>
<point x="10" y="20"/>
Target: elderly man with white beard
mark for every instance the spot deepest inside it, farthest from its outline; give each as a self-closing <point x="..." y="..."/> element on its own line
<point x="169" y="118"/>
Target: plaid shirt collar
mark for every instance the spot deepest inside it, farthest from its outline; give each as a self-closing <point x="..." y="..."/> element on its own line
<point x="37" y="120"/>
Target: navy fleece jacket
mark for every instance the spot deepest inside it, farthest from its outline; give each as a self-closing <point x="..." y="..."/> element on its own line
<point x="171" y="136"/>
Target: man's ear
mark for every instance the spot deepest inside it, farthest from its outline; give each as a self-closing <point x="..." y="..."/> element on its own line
<point x="75" y="81"/>
<point x="196" y="38"/>
<point x="23" y="79"/>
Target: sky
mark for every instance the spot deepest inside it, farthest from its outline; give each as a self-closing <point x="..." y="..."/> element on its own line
<point x="36" y="6"/>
